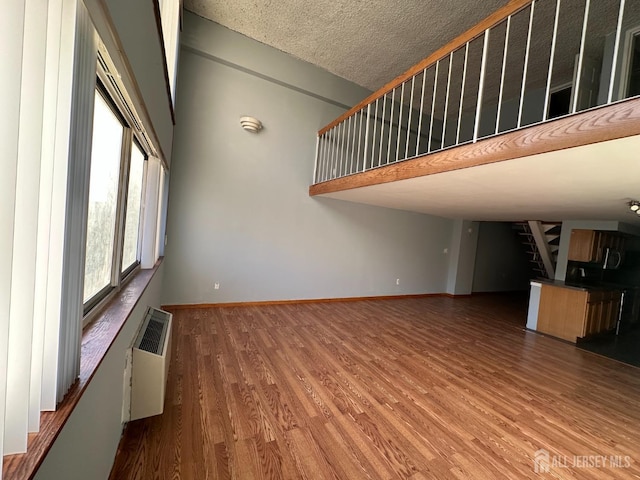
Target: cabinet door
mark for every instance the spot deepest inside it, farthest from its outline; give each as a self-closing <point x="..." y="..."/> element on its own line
<point x="562" y="312"/>
<point x="595" y="312"/>
<point x="583" y="246"/>
<point x="591" y="324"/>
<point x="602" y="240"/>
<point x="614" y="309"/>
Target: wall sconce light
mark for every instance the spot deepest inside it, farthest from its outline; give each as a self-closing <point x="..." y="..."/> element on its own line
<point x="251" y="124"/>
<point x="634" y="206"/>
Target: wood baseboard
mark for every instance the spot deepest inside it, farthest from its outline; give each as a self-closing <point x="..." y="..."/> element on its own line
<point x="500" y="292"/>
<point x="190" y="306"/>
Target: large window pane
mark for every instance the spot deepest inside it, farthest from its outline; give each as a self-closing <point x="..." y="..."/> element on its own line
<point x="132" y="218"/>
<point x="103" y="198"/>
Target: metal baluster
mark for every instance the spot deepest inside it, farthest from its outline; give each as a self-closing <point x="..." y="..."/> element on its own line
<point x="424" y="78"/>
<point x="433" y="105"/>
<point x="406" y="149"/>
<point x="393" y="99"/>
<point x="332" y="154"/>
<point x="400" y="122"/>
<point x="315" y="165"/>
<point x="504" y="69"/>
<point x="446" y="102"/>
<point x="384" y="108"/>
<point x="341" y="147"/>
<point x="373" y="137"/>
<point x="366" y="136"/>
<point x="348" y="159"/>
<point x="545" y="112"/>
<point x="464" y="80"/>
<point x="353" y="143"/>
<point x="321" y="149"/>
<point x="526" y="64"/>
<point x="343" y="140"/>
<point x="483" y="72"/>
<point x="616" y="47"/>
<point x="581" y="57"/>
<point x="359" y="140"/>
<point x="326" y="154"/>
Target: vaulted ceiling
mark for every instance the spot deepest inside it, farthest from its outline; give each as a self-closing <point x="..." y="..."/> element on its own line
<point x="371" y="42"/>
<point x="368" y="42"/>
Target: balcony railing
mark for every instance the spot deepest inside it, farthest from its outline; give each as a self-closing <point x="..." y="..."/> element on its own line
<point x="529" y="62"/>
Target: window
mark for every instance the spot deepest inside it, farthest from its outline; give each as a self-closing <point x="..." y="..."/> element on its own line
<point x="115" y="199"/>
<point x="106" y="155"/>
<point x="130" y="249"/>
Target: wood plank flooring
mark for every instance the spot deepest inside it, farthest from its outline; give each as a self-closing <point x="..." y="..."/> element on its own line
<point x="419" y="389"/>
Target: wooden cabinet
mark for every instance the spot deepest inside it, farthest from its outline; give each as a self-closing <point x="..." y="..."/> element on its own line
<point x="583" y="246"/>
<point x="589" y="245"/>
<point x="562" y="312"/>
<point x="570" y="313"/>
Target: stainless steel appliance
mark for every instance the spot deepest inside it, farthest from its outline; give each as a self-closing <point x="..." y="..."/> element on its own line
<point x="612" y="259"/>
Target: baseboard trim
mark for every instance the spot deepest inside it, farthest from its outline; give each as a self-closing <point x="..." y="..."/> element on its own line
<point x="190" y="306"/>
<point x="499" y="292"/>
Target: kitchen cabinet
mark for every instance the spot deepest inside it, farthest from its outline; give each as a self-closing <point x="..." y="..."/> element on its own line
<point x="589" y="245"/>
<point x="573" y="313"/>
<point x="583" y="246"/>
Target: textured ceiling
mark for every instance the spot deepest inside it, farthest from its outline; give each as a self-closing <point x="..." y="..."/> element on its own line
<point x="368" y="42"/>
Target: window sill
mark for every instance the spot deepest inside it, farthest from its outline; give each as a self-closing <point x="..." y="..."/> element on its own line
<point x="97" y="339"/>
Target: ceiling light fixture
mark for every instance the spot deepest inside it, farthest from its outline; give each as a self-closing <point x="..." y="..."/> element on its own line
<point x="634" y="206"/>
<point x="251" y="124"/>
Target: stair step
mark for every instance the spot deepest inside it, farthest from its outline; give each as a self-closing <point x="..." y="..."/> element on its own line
<point x="553" y="230"/>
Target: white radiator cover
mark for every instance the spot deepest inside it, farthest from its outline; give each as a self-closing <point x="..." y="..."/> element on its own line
<point x="150" y="364"/>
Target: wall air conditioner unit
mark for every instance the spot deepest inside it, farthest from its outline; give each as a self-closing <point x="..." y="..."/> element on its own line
<point x="150" y="364"/>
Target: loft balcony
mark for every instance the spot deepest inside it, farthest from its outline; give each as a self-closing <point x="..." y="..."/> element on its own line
<point x="552" y="83"/>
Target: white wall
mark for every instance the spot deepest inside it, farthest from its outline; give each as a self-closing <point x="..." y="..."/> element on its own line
<point x="501" y="262"/>
<point x="87" y="444"/>
<point x="239" y="210"/>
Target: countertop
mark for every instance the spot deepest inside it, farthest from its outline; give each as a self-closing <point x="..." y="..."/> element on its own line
<point x="585" y="287"/>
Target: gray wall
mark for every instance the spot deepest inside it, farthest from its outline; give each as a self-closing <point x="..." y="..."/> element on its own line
<point x="239" y="210"/>
<point x="501" y="263"/>
<point x="86" y="446"/>
<point x="135" y="25"/>
<point x="462" y="254"/>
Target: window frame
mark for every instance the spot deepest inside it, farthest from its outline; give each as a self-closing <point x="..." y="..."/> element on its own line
<point x="124" y="273"/>
<point x="118" y="278"/>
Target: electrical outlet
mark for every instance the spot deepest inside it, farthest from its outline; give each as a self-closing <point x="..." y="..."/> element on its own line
<point x="397" y="281"/>
<point x="445" y="251"/>
<point x="216" y="286"/>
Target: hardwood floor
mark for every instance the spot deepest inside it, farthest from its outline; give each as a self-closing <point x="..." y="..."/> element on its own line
<point x="418" y="388"/>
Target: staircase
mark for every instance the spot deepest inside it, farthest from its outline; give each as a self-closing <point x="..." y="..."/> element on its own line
<point x="541" y="241"/>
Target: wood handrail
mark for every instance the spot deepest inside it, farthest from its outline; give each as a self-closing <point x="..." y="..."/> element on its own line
<point x="606" y="122"/>
<point x="491" y="21"/>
